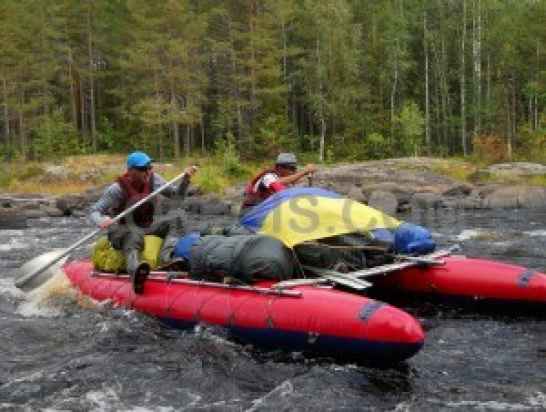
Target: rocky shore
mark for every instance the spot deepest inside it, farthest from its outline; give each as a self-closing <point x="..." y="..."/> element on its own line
<point x="392" y="185"/>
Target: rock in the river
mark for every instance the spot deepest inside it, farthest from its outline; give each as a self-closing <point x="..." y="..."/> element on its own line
<point x="52" y="211"/>
<point x="532" y="197"/>
<point x="67" y="204"/>
<point x="426" y="201"/>
<point x="384" y="201"/>
<point x="513" y="197"/>
<point x="12" y="219"/>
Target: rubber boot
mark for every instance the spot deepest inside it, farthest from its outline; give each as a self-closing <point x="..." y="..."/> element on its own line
<point x="166" y="253"/>
<point x="138" y="270"/>
<point x="166" y="258"/>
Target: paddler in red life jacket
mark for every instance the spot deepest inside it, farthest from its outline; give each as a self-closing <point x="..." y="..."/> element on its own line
<point x="274" y="180"/>
<point x="128" y="235"/>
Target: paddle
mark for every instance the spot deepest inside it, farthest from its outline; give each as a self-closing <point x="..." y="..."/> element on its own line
<point x="39" y="270"/>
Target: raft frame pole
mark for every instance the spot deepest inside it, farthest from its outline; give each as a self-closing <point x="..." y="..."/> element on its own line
<point x="331" y="276"/>
<point x="170" y="277"/>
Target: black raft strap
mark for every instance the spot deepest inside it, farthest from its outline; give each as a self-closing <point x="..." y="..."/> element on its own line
<point x="369" y="309"/>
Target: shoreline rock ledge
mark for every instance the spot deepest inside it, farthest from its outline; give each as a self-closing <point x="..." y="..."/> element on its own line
<point x="392" y="185"/>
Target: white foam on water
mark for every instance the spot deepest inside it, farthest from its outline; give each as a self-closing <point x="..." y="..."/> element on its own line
<point x="535" y="233"/>
<point x="41" y="301"/>
<point x="492" y="405"/>
<point x="37" y="310"/>
<point x="13" y="244"/>
<point x="284" y="389"/>
<point x="209" y="333"/>
<point x="468" y="234"/>
<point x="108" y="399"/>
<point x="104" y="400"/>
<point x="404" y="407"/>
<point x="503" y="243"/>
<point x="8" y="288"/>
<point x="538" y="399"/>
<point x="12" y="232"/>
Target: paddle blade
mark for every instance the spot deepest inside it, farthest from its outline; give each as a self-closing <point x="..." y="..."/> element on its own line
<point x="39" y="270"/>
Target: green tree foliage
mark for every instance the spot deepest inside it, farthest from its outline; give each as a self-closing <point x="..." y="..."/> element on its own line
<point x="54" y="137"/>
<point x="411" y="123"/>
<point x="342" y="79"/>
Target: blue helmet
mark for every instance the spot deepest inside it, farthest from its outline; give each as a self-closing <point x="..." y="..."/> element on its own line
<point x="138" y="159"/>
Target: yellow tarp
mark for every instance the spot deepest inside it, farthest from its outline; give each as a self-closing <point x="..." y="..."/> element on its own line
<point x="314" y="217"/>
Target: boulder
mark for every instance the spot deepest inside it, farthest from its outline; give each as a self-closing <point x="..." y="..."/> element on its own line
<point x="503" y="198"/>
<point x="52" y="211"/>
<point x="67" y="204"/>
<point x="402" y="194"/>
<point x="459" y="189"/>
<point x="516" y="169"/>
<point x="193" y="205"/>
<point x="94" y="194"/>
<point x="384" y="201"/>
<point x="532" y="197"/>
<point x="12" y="219"/>
<point x="207" y="205"/>
<point x="356" y="194"/>
<point x="35" y="214"/>
<point x="426" y="201"/>
<point x="215" y="208"/>
<point x="470" y="202"/>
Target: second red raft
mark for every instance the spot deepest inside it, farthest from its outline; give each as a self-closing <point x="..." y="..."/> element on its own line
<point x="471" y="279"/>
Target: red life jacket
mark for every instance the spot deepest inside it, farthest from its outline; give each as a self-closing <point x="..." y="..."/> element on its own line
<point x="253" y="197"/>
<point x="133" y="192"/>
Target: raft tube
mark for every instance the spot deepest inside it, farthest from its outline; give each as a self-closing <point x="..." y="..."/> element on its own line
<point x="470" y="279"/>
<point x="305" y="318"/>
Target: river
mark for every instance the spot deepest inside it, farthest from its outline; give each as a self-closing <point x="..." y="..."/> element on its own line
<point x="59" y="352"/>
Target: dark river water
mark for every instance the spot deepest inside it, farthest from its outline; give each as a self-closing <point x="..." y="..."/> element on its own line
<point x="62" y="353"/>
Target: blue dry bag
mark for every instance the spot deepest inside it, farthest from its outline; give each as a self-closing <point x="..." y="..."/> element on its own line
<point x="413" y="239"/>
<point x="183" y="247"/>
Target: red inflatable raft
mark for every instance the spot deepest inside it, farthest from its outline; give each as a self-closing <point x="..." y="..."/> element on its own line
<point x="475" y="279"/>
<point x="303" y="318"/>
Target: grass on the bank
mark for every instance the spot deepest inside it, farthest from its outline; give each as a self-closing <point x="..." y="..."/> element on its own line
<point x="469" y="172"/>
<point x="459" y="170"/>
<point x="84" y="172"/>
<point x="215" y="174"/>
<point x="535" y="180"/>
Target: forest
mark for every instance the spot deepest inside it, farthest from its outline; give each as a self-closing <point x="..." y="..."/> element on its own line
<point x="340" y="79"/>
